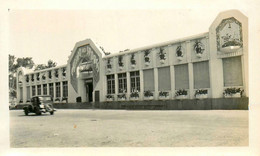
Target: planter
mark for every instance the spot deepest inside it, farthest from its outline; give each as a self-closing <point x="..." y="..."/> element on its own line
<point x="181" y="97"/>
<point x="148" y="98"/>
<point x="202" y="96"/>
<point x="120" y="68"/>
<point x="109" y="99"/>
<point x="147" y="63"/>
<point x="109" y="70"/>
<point x="121" y="99"/>
<point x="228" y="96"/>
<point x="199" y="55"/>
<point x="179" y="58"/>
<point x="236" y="95"/>
<point x="134" y="98"/>
<point x="164" y="97"/>
<point x="162" y="61"/>
<point x="230" y="49"/>
<point x="133" y="65"/>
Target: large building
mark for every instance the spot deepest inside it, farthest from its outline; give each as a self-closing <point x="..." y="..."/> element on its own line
<point x="205" y="65"/>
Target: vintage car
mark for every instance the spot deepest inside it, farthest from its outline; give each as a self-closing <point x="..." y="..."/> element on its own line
<point x="40" y="104"/>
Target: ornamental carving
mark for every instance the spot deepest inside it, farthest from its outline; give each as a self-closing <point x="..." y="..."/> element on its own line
<point x="229" y="35"/>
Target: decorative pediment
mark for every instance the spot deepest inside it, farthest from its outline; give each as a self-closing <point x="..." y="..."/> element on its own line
<point x="229" y="35"/>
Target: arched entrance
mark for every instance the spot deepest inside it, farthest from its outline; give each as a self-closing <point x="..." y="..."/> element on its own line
<point x="86" y="75"/>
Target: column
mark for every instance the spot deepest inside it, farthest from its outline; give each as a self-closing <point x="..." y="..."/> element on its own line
<point x="48" y="89"/>
<point x="61" y="89"/>
<point x="41" y="89"/>
<point x="54" y="91"/>
<point x="141" y="84"/>
<point x="172" y="81"/>
<point x="191" y="82"/>
<point x="156" y="92"/>
<point x="116" y="86"/>
<point x="128" y="84"/>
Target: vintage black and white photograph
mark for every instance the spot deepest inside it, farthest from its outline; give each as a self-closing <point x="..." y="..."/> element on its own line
<point x="128" y="78"/>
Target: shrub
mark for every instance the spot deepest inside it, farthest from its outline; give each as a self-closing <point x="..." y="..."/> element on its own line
<point x="201" y="91"/>
<point x="134" y="95"/>
<point x="181" y="92"/>
<point x="148" y="93"/>
<point x="165" y="94"/>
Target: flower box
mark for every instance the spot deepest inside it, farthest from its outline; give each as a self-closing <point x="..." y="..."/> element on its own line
<point x="182" y="97"/>
<point x="164" y="97"/>
<point x="230" y="49"/>
<point x="109" y="99"/>
<point x="134" y="98"/>
<point x="199" y="55"/>
<point x="147" y="63"/>
<point x="202" y="96"/>
<point x="237" y="95"/>
<point x="179" y="58"/>
<point x="162" y="61"/>
<point x="148" y="98"/>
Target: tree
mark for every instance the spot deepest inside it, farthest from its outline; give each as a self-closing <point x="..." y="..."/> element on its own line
<point x="14" y="64"/>
<point x="50" y="64"/>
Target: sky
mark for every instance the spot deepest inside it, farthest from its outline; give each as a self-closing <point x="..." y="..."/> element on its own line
<point x="52" y="34"/>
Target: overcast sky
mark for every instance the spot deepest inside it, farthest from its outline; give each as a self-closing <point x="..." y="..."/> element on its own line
<point x="52" y="34"/>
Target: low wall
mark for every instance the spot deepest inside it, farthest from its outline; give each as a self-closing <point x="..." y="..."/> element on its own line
<point x="186" y="104"/>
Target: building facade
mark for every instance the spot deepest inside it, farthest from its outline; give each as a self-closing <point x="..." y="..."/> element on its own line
<point x="201" y="66"/>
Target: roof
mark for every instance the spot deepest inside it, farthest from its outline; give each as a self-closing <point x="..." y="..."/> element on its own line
<point x="162" y="44"/>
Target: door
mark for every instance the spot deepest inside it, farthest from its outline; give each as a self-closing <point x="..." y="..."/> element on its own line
<point x="89" y="90"/>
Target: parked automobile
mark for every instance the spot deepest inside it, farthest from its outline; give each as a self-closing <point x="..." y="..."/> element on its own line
<point x="40" y="104"/>
<point x="12" y="105"/>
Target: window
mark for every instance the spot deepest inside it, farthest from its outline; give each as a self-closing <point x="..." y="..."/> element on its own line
<point x="57" y="89"/>
<point x="51" y="89"/>
<point x="135" y="81"/>
<point x="65" y="89"/>
<point x="232" y="70"/>
<point x="122" y="84"/>
<point x="149" y="80"/>
<point x="28" y="93"/>
<point x="110" y="84"/>
<point x="44" y="89"/>
<point x="33" y="90"/>
<point x="164" y="79"/>
<point x="181" y="76"/>
<point x="201" y="75"/>
<point x="39" y="89"/>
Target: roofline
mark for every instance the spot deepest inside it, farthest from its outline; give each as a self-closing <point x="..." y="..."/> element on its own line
<point x="47" y="69"/>
<point x="159" y="44"/>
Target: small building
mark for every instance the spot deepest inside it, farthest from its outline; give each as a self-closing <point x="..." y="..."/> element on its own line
<point x="201" y="66"/>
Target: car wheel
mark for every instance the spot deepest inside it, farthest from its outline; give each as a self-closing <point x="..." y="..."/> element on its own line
<point x="52" y="112"/>
<point x="37" y="111"/>
<point x="26" y="112"/>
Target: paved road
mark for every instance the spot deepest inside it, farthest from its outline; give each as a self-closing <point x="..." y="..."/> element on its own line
<point x="121" y="128"/>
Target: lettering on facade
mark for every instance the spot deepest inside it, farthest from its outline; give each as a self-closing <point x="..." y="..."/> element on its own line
<point x="84" y="53"/>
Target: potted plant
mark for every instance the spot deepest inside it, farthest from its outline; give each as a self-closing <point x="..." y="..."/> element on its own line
<point x="43" y="77"/>
<point x="32" y="78"/>
<point x="231" y="44"/>
<point x="199" y="48"/>
<point x="109" y="66"/>
<point x="201" y="93"/>
<point x="27" y="78"/>
<point x="146" y="57"/>
<point x="64" y="72"/>
<point x="179" y="53"/>
<point x="162" y="55"/>
<point x="65" y="99"/>
<point x="121" y="97"/>
<point x="50" y="74"/>
<point x="120" y="62"/>
<point x="233" y="92"/>
<point x="134" y="95"/>
<point x="56" y="74"/>
<point x="110" y="97"/>
<point x="57" y="100"/>
<point x="148" y="95"/>
<point x="163" y="95"/>
<point x="181" y="94"/>
<point x="133" y="62"/>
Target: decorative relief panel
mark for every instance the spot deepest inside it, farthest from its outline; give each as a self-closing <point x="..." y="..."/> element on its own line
<point x="229" y="35"/>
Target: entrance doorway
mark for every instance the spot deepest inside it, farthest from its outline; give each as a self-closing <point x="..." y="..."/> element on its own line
<point x="89" y="89"/>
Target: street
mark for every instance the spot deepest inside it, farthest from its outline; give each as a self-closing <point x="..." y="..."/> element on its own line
<point x="123" y="128"/>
